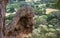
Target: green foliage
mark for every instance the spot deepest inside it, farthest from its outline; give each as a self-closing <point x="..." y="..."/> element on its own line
<point x="44" y="32"/>
<point x="58" y="4"/>
<point x="9" y="17"/>
<point x="40" y="9"/>
<point x="40" y="20"/>
<point x="10" y="9"/>
<point x="54" y="18"/>
<point x="46" y="25"/>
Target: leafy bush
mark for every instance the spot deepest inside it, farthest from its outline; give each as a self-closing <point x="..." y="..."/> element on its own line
<point x="40" y="9"/>
<point x="54" y="18"/>
<point x="40" y="20"/>
<point x="10" y="9"/>
<point x="9" y="17"/>
<point x="44" y="32"/>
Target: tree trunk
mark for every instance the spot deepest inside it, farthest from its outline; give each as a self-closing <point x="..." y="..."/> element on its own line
<point x="2" y="18"/>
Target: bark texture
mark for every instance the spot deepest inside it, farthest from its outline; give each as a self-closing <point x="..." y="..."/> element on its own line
<point x="2" y="18"/>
